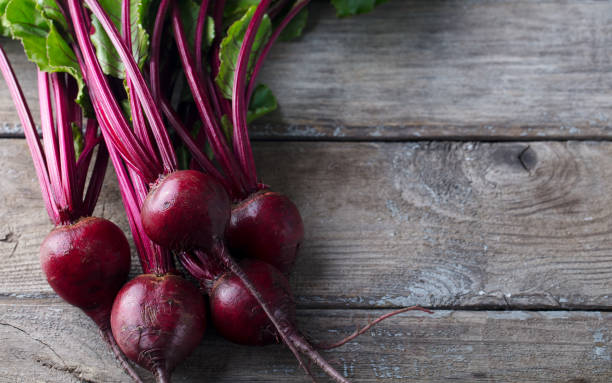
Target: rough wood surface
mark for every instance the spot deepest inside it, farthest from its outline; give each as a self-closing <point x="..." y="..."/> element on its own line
<point x="53" y="342"/>
<point x="396" y="224"/>
<point x="418" y="69"/>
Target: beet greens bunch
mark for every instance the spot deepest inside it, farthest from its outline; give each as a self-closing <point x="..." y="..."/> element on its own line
<point x="172" y="85"/>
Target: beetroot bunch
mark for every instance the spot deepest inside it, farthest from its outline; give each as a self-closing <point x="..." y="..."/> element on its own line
<point x="175" y="124"/>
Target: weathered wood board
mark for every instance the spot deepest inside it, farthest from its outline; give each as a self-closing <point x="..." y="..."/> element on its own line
<point x="422" y="69"/>
<point x="395" y="224"/>
<point x="53" y="342"/>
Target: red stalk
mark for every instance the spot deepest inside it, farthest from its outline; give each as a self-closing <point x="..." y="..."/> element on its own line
<point x="133" y="72"/>
<point x="211" y="125"/>
<point x="66" y="145"/>
<point x="29" y="128"/>
<point x="138" y="121"/>
<point x="91" y="140"/>
<point x="218" y="10"/>
<point x="117" y="130"/>
<point x="95" y="182"/>
<point x="197" y="154"/>
<point x="242" y="146"/>
<point x="154" y="67"/>
<point x="131" y="204"/>
<point x="199" y="34"/>
<point x="51" y="150"/>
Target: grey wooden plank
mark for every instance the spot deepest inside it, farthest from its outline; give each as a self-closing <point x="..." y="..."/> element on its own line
<point x="53" y="342"/>
<point x="397" y="224"/>
<point x="417" y="69"/>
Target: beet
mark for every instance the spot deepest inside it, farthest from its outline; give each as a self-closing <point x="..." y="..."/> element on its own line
<point x="186" y="209"/>
<point x="239" y="317"/>
<point x="158" y="320"/>
<point x="266" y="226"/>
<point x="235" y="312"/>
<point x="86" y="264"/>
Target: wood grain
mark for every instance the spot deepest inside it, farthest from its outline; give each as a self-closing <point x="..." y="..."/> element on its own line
<point x="53" y="342"/>
<point x="421" y="69"/>
<point x="396" y="224"/>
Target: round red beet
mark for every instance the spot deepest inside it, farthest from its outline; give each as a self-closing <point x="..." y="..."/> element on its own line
<point x="158" y="321"/>
<point x="267" y="226"/>
<point x="186" y="209"/>
<point x="237" y="315"/>
<point x="86" y="264"/>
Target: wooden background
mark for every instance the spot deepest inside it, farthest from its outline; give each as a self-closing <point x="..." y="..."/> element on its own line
<point x="451" y="154"/>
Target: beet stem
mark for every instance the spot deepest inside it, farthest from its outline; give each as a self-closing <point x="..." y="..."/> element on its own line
<point x="361" y="331"/>
<point x="49" y="143"/>
<point x="211" y="125"/>
<point x="220" y="251"/>
<point x="242" y="145"/>
<point x="91" y="140"/>
<point x="140" y="127"/>
<point x="67" y="161"/>
<point x="96" y="180"/>
<point x="116" y="129"/>
<point x="107" y="335"/>
<point x="158" y="28"/>
<point x="29" y="129"/>
<point x="199" y="34"/>
<point x="199" y="55"/>
<point x="305" y="347"/>
<point x="197" y="154"/>
<point x="140" y="88"/>
<point x="132" y="209"/>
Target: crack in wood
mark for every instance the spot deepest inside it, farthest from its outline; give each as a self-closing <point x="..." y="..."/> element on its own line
<point x="72" y="370"/>
<point x="36" y="339"/>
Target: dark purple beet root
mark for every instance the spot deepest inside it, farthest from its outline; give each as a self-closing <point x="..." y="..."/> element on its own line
<point x="237" y="315"/>
<point x="186" y="209"/>
<point x="158" y="321"/>
<point x="86" y="264"/>
<point x="266" y="226"/>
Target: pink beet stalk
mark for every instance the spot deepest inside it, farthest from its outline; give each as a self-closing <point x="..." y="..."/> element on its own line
<point x="211" y="125"/>
<point x="242" y="146"/>
<point x="159" y="132"/>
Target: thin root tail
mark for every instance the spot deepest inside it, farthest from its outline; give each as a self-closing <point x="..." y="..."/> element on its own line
<point x="361" y="331"/>
<point x="107" y="335"/>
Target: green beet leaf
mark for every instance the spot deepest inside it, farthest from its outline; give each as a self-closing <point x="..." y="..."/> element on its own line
<point x="51" y="11"/>
<point x="262" y="103"/>
<point x="106" y="53"/>
<point x="4" y="27"/>
<point x="39" y="26"/>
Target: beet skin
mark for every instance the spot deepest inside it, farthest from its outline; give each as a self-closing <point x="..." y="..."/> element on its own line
<point x="266" y="226"/>
<point x="186" y="209"/>
<point x="158" y="321"/>
<point x="86" y="264"/>
<point x="237" y="315"/>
